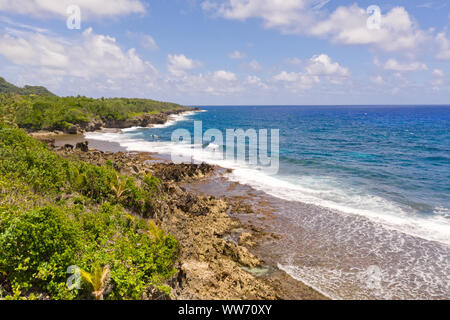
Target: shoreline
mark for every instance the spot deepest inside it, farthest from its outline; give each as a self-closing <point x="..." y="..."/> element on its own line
<point x="243" y="225"/>
<point x="306" y="254"/>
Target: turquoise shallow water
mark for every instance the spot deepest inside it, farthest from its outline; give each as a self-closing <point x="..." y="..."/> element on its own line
<point x="380" y="174"/>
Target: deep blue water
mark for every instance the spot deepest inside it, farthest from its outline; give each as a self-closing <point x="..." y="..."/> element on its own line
<point x="357" y="186"/>
<point x="401" y="154"/>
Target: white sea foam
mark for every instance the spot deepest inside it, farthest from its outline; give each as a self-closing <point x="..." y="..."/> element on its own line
<point x="173" y="119"/>
<point x="359" y="224"/>
<point x="320" y="191"/>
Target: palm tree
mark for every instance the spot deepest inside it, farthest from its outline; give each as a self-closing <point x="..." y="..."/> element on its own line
<point x="98" y="279"/>
<point x="119" y="187"/>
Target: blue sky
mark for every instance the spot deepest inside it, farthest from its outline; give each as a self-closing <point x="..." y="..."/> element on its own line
<point x="201" y="52"/>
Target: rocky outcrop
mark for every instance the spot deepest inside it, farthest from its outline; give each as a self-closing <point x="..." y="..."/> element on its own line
<point x="181" y="172"/>
<point x="144" y="120"/>
<point x="83" y="146"/>
<point x="211" y="264"/>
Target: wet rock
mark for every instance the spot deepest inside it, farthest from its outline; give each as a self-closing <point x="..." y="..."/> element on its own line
<point x="68" y="147"/>
<point x="181" y="172"/>
<point x="72" y="130"/>
<point x="240" y="254"/>
<point x="83" y="146"/>
<point x="240" y="207"/>
<point x="246" y="240"/>
<point x="94" y="125"/>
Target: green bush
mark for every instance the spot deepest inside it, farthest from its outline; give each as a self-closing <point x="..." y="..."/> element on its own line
<point x="55" y="213"/>
<point x="37" y="247"/>
<point x="35" y="112"/>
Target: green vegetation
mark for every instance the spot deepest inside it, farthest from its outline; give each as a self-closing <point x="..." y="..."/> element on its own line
<point x="55" y="113"/>
<point x="35" y="108"/>
<point x="55" y="214"/>
<point x="6" y="87"/>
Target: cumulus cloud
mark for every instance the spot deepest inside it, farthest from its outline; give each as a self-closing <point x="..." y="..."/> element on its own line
<point x="94" y="55"/>
<point x="322" y="65"/>
<point x="99" y="8"/>
<point x="378" y="80"/>
<point x="218" y="83"/>
<point x="346" y="25"/>
<point x="224" y="75"/>
<point x="149" y="43"/>
<point x="256" y="82"/>
<point x="178" y="65"/>
<point x="91" y="61"/>
<point x="275" y="13"/>
<point x="438" y="73"/>
<point x="444" y="46"/>
<point x="437" y="80"/>
<point x="394" y="65"/>
<point x="318" y="67"/>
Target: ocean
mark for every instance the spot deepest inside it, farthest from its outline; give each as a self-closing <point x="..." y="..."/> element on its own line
<point x="364" y="191"/>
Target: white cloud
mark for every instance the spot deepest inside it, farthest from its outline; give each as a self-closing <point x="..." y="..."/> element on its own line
<point x="438" y="79"/>
<point x="438" y="73"/>
<point x="237" y="55"/>
<point x="149" y="43"/>
<point x="256" y="81"/>
<point x="378" y="80"/>
<point x="322" y="65"/>
<point x="346" y="25"/>
<point x="179" y="64"/>
<point x="89" y="62"/>
<point x="444" y="46"/>
<point x="297" y="80"/>
<point x="275" y="13"/>
<point x="99" y="8"/>
<point x="94" y="55"/>
<point x="319" y="66"/>
<point x="218" y="83"/>
<point x="224" y="75"/>
<point x="145" y="40"/>
<point x="394" y="65"/>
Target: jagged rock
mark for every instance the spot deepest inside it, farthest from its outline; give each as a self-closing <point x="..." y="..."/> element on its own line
<point x="181" y="172"/>
<point x="153" y="293"/>
<point x="241" y="207"/>
<point x="83" y="146"/>
<point x="68" y="147"/>
<point x="246" y="240"/>
<point x="72" y="130"/>
<point x="94" y="125"/>
<point x="240" y="254"/>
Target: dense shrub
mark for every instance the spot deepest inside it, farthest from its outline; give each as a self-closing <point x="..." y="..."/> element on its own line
<point x="27" y="159"/>
<point x="35" y="112"/>
<point x="37" y="247"/>
<point x="56" y="213"/>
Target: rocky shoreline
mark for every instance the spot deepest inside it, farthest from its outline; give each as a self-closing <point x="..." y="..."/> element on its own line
<point x="144" y="120"/>
<point x="217" y="258"/>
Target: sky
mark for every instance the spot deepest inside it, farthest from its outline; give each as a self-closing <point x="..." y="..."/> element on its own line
<point x="231" y="52"/>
